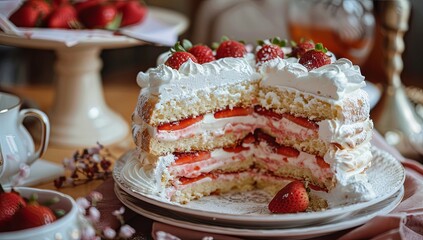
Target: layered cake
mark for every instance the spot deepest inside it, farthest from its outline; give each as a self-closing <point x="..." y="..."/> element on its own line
<point x="210" y="122"/>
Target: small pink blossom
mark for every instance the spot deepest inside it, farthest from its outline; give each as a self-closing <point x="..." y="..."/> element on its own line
<point x="96" y="196"/>
<point x="93" y="214"/>
<point x="96" y="158"/>
<point x="161" y="235"/>
<point x="83" y="204"/>
<point x="94" y="150"/>
<point x="23" y="173"/>
<point x="126" y="231"/>
<point x="119" y="212"/>
<point x="109" y="233"/>
<point x="88" y="233"/>
<point x="69" y="164"/>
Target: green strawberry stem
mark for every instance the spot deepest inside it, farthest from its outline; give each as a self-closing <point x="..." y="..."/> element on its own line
<point x="59" y="213"/>
<point x="186" y="44"/>
<point x="51" y="201"/>
<point x="320" y="47"/>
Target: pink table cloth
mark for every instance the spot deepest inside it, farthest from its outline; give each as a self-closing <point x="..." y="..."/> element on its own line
<point x="404" y="222"/>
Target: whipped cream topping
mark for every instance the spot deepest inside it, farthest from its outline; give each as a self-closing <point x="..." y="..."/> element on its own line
<point x="171" y="85"/>
<point x="331" y="81"/>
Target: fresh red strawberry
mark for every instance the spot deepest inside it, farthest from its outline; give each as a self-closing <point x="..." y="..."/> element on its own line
<point x="63" y="16"/>
<point x="321" y="162"/>
<point x="33" y="215"/>
<point x="299" y="49"/>
<point x="58" y="3"/>
<point x="100" y="16"/>
<point x="31" y="14"/>
<point x="230" y="48"/>
<point x="288" y="151"/>
<point x="233" y="112"/>
<point x="179" y="124"/>
<point x="10" y="203"/>
<point x="268" y="52"/>
<point x="268" y="113"/>
<point x="271" y="50"/>
<point x="203" y="53"/>
<point x="81" y="5"/>
<point x="190" y="157"/>
<point x="304" y="122"/>
<point x="178" y="58"/>
<point x="132" y="12"/>
<point x="292" y="198"/>
<point x="315" y="58"/>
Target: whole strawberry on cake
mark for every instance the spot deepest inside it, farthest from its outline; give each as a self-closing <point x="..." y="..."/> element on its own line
<point x="214" y="121"/>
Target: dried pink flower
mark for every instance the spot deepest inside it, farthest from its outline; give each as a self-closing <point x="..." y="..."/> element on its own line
<point x="85" y="166"/>
<point x="109" y="233"/>
<point x="126" y="231"/>
<point x="93" y="214"/>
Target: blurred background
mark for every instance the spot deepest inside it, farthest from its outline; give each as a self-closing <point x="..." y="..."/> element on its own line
<point x="247" y="20"/>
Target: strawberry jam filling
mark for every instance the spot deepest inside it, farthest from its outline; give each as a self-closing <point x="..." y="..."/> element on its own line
<point x="268" y="154"/>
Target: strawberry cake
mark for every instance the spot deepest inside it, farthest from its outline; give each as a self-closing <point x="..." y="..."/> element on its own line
<point x="210" y="122"/>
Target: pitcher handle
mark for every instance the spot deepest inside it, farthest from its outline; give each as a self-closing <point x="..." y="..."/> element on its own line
<point x="45" y="130"/>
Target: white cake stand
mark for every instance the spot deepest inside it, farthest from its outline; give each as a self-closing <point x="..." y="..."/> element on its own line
<point x="80" y="115"/>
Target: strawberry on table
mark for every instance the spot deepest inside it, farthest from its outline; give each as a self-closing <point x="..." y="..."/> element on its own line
<point x="269" y="51"/>
<point x="81" y="5"/>
<point x="100" y="16"/>
<point x="10" y="203"/>
<point x="230" y="48"/>
<point x="292" y="198"/>
<point x="31" y="14"/>
<point x="64" y="16"/>
<point x="315" y="58"/>
<point x="132" y="12"/>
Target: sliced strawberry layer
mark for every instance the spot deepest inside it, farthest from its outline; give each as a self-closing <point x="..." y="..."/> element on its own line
<point x="233" y="112"/>
<point x="236" y="149"/>
<point x="304" y="122"/>
<point x="321" y="162"/>
<point x="178" y="125"/>
<point x="185" y="181"/>
<point x="288" y="151"/>
<point x="267" y="112"/>
<point x="191" y="157"/>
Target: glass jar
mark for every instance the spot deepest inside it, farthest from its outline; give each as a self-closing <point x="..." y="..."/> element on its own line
<point x="345" y="27"/>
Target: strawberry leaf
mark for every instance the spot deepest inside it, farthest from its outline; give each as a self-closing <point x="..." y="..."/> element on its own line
<point x="115" y="23"/>
<point x="186" y="44"/>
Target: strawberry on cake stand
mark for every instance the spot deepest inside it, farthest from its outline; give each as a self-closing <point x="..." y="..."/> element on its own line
<point x="80" y="115"/>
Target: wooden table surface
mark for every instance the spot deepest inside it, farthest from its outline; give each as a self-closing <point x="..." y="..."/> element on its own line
<point x="120" y="98"/>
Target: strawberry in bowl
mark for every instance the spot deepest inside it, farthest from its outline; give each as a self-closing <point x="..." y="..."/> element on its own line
<point x="24" y="217"/>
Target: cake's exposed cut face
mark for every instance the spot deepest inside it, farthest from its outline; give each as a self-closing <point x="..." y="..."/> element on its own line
<point x="234" y="123"/>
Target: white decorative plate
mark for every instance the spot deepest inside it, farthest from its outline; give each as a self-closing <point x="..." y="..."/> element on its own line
<point x="249" y="209"/>
<point x="175" y="219"/>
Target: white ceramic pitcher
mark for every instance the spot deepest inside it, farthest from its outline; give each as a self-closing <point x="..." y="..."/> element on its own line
<point x="16" y="144"/>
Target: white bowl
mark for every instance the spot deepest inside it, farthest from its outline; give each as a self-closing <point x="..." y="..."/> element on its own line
<point x="67" y="227"/>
